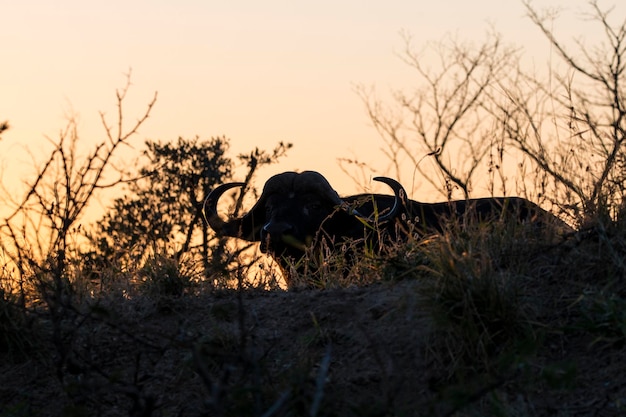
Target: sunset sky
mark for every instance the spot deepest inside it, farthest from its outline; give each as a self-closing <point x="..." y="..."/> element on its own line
<point x="257" y="72"/>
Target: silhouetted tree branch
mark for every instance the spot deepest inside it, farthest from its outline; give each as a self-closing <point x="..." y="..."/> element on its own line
<point x="3" y="127"/>
<point x="162" y="215"/>
<point x="585" y="156"/>
<point x="443" y="116"/>
<point x="40" y="225"/>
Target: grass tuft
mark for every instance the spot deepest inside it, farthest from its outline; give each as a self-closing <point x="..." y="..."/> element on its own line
<point x="476" y="283"/>
<point x="18" y="339"/>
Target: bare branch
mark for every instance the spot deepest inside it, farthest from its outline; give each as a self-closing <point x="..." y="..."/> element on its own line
<point x="63" y="187"/>
<point x="444" y="114"/>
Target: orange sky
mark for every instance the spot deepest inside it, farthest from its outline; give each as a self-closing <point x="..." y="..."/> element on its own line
<point x="256" y="72"/>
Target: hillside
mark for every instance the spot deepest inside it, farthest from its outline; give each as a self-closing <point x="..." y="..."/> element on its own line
<point x="357" y="351"/>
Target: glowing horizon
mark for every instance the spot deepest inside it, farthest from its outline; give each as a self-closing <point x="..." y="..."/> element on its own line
<point x="257" y="73"/>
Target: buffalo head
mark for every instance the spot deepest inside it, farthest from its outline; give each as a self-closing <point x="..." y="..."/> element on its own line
<point x="295" y="209"/>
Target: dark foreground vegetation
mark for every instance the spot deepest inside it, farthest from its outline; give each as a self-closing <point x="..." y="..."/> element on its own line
<point x="146" y="312"/>
<point x="486" y="322"/>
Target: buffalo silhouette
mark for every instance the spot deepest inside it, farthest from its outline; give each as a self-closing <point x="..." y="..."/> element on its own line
<point x="297" y="210"/>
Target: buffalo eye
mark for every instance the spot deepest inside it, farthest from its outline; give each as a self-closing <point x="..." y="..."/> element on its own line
<point x="312" y="207"/>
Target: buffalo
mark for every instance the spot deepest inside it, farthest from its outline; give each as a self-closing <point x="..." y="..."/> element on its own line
<point x="299" y="210"/>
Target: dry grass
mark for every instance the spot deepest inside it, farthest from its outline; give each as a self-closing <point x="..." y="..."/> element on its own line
<point x="488" y="319"/>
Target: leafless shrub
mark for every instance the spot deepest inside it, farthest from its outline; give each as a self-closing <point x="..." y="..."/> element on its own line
<point x="571" y="126"/>
<point x="40" y="234"/>
<point x="443" y="117"/>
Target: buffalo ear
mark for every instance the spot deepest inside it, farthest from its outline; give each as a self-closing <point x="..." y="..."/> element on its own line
<point x="252" y="222"/>
<point x="400" y="200"/>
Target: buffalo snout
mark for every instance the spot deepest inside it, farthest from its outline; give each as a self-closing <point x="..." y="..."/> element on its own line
<point x="275" y="235"/>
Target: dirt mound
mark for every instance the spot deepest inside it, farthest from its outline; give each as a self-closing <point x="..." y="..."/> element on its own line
<point x="361" y="351"/>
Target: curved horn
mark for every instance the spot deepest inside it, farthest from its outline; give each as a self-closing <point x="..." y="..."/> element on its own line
<point x="400" y="197"/>
<point x="233" y="228"/>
